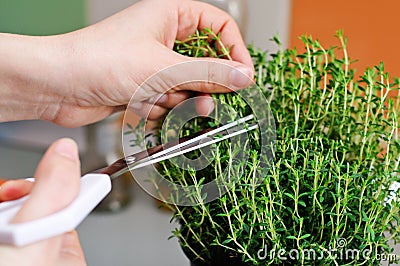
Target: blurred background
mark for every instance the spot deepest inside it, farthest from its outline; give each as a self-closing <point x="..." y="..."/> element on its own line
<point x="138" y="234"/>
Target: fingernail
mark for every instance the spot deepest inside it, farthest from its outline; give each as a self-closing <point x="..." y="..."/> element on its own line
<point x="211" y="106"/>
<point x="136" y="105"/>
<point x="241" y="77"/>
<point x="67" y="148"/>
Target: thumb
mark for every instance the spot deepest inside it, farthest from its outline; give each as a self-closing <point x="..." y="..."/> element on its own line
<point x="57" y="182"/>
<point x="206" y="75"/>
<point x="210" y="75"/>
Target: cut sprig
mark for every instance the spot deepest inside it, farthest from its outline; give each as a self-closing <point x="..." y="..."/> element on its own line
<point x="203" y="43"/>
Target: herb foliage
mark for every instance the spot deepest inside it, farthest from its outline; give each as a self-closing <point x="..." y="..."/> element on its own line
<point x="336" y="157"/>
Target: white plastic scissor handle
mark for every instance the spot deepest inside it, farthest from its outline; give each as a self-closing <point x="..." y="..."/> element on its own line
<point x="94" y="187"/>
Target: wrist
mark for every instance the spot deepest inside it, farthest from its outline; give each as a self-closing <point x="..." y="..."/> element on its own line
<point x="29" y="76"/>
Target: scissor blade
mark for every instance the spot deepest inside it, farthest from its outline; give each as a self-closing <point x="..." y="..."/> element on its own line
<point x="174" y="148"/>
<point x="121" y="166"/>
<point x="193" y="146"/>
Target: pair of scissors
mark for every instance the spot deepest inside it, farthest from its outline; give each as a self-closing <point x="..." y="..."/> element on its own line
<point x="95" y="186"/>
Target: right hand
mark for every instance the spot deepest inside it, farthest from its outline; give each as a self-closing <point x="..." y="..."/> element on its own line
<point x="56" y="186"/>
<point x="14" y="189"/>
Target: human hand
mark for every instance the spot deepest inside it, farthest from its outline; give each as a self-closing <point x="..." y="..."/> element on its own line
<point x="56" y="186"/>
<point x="83" y="76"/>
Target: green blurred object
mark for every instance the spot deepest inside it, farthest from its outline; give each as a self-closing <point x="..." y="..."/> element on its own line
<point x="42" y="17"/>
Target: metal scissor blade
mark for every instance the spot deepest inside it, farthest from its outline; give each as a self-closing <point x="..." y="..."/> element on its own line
<point x="121" y="166"/>
<point x="196" y="146"/>
<point x="175" y="148"/>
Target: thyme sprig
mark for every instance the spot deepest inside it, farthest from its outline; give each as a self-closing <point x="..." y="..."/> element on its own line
<point x="336" y="156"/>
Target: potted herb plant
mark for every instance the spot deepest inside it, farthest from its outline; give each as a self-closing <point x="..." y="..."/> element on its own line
<point x="328" y="196"/>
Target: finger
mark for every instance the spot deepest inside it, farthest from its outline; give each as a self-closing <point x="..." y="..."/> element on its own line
<point x="2" y="181"/>
<point x="14" y="189"/>
<point x="204" y="104"/>
<point x="148" y="110"/>
<point x="71" y="253"/>
<point x="213" y="75"/>
<point x="169" y="100"/>
<point x="161" y="105"/>
<point x="199" y="15"/>
<point x="202" y="75"/>
<point x="57" y="182"/>
<point x="56" y="185"/>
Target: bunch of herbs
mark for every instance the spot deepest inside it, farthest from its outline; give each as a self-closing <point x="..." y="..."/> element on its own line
<point x="336" y="158"/>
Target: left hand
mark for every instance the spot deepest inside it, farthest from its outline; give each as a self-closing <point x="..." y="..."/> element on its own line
<point x="115" y="56"/>
<point x="81" y="77"/>
<point x="57" y="184"/>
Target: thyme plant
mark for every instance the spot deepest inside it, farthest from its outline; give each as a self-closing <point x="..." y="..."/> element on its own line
<point x="325" y="198"/>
